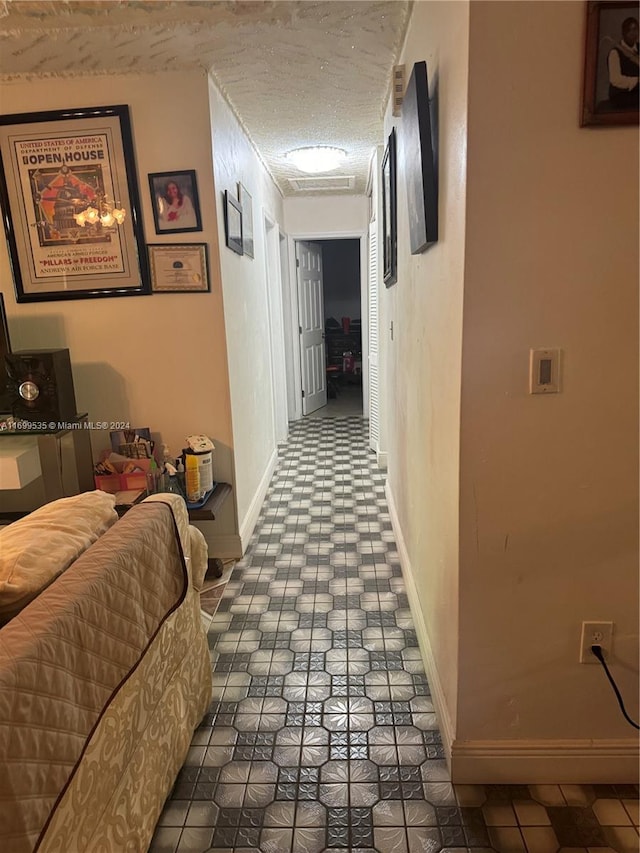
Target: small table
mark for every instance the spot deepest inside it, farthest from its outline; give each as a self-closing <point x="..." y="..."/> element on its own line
<point x="218" y="496"/>
<point x="55" y="484"/>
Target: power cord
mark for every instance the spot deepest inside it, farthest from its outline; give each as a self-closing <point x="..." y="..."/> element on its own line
<point x="597" y="651"/>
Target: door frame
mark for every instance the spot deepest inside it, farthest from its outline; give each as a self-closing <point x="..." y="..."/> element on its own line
<point x="276" y="324"/>
<point x="294" y="368"/>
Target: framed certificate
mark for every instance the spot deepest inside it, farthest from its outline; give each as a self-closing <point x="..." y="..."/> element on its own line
<point x="179" y="268"/>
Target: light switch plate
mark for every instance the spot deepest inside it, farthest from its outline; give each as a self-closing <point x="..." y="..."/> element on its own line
<point x="544" y="371"/>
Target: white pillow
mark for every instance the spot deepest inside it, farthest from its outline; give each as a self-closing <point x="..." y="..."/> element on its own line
<point x="40" y="546"/>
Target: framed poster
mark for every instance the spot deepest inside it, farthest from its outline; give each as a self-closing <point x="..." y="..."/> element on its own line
<point x="233" y="222"/>
<point x="389" y="212"/>
<point x="55" y="165"/>
<point x="179" y="268"/>
<point x="610" y="80"/>
<point x="246" y="203"/>
<point x="175" y="202"/>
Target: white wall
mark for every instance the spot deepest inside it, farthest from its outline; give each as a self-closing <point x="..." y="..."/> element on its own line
<point x="326" y="215"/>
<point x="422" y="362"/>
<point x="246" y="311"/>
<point x="549" y="485"/>
<point x="156" y="360"/>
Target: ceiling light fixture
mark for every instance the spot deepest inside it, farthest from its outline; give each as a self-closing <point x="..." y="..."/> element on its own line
<point x="317" y="158"/>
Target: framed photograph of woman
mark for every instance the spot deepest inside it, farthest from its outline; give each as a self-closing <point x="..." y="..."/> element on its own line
<point x="176" y="208"/>
<point x="610" y="86"/>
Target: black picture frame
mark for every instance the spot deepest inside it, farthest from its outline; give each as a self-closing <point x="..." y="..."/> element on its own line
<point x="54" y="164"/>
<point x="233" y="222"/>
<point x="418" y="161"/>
<point x="5" y="350"/>
<point x="602" y="104"/>
<point x="176" y="205"/>
<point x="389" y="212"/>
<point x="246" y="203"/>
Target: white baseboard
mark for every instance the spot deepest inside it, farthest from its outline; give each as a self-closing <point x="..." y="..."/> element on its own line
<point x="435" y="684"/>
<point x="248" y="524"/>
<point x="514" y="762"/>
<point x="382" y="459"/>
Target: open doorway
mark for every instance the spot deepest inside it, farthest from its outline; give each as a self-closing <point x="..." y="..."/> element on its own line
<point x="330" y="326"/>
<point x="342" y="327"/>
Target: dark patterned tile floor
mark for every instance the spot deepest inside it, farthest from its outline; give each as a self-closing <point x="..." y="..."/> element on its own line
<point x="322" y="737"/>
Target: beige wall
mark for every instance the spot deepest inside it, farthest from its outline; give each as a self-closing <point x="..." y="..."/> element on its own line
<point x="549" y="485"/>
<point x="539" y="236"/>
<point x="247" y="307"/>
<point x="155" y="360"/>
<point x="326" y="214"/>
<point x="423" y="360"/>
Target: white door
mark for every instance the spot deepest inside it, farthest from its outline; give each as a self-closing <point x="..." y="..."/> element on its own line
<point x="311" y="326"/>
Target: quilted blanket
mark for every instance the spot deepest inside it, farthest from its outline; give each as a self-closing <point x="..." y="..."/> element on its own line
<point x="70" y="652"/>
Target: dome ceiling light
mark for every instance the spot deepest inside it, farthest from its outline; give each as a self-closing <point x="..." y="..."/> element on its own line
<point x="317" y="158"/>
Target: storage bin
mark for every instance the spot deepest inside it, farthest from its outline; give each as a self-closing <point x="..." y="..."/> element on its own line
<point x="113" y="483"/>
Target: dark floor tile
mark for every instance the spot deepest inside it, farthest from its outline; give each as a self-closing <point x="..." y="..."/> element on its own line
<point x="604" y="792"/>
<point x="452" y="836"/>
<point x="338" y="836"/>
<point x="338" y="817"/>
<point x="571" y="816"/>
<point x="411" y="791"/>
<point x="576" y="827"/>
<point x="627" y="792"/>
<point x="204" y="791"/>
<point x="229" y="817"/>
<point x="448" y="816"/>
<point x="361" y="837"/>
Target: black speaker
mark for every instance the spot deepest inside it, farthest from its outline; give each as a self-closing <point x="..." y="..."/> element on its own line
<point x="40" y="385"/>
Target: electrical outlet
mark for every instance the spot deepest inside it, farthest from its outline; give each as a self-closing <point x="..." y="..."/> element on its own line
<point x="595" y="634"/>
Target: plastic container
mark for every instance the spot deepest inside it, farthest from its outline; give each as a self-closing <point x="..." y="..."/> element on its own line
<point x="173" y="486"/>
<point x="202" y="448"/>
<point x="193" y="489"/>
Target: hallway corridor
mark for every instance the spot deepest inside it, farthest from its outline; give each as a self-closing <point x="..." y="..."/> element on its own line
<point x="321" y="735"/>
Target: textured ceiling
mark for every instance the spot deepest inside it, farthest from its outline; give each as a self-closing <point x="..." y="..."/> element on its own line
<point x="296" y="73"/>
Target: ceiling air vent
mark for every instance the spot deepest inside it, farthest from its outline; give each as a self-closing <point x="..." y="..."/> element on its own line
<point x="318" y="183"/>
